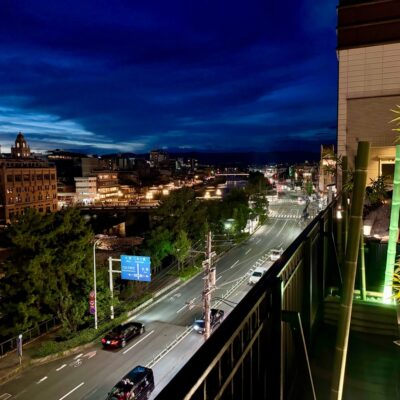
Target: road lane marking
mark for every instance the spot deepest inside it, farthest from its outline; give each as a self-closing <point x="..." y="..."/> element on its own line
<point x="78" y="356"/>
<point x="189" y="304"/>
<point x="71" y="391"/>
<point x="258" y="241"/>
<point x="248" y="251"/>
<point x="141" y="340"/>
<point x="5" y="396"/>
<point x="60" y="368"/>
<point x="227" y="283"/>
<point x="282" y="228"/>
<point x="181" y="308"/>
<point x="218" y="279"/>
<point x="41" y="380"/>
<point x="90" y="355"/>
<point x="234" y="264"/>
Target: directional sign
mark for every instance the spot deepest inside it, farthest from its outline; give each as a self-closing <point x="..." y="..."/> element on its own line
<point x="136" y="268"/>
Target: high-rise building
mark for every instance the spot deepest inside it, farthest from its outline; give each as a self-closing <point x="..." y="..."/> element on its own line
<point x="158" y="156"/>
<point x="369" y="80"/>
<point x="26" y="182"/>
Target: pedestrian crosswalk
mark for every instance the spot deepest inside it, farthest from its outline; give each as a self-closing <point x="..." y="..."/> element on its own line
<point x="280" y="215"/>
<point x="293" y="215"/>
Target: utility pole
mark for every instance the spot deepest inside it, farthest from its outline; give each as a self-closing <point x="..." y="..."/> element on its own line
<point x="209" y="285"/>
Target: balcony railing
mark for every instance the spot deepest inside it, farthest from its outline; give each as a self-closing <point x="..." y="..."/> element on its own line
<point x="260" y="350"/>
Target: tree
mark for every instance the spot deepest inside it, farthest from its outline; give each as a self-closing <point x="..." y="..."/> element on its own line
<point x="48" y="272"/>
<point x="175" y="210"/>
<point x="309" y="188"/>
<point x="256" y="183"/>
<point x="376" y="192"/>
<point x="259" y="206"/>
<point x="181" y="247"/>
<point x="235" y="205"/>
<point x="394" y="220"/>
<point x="159" y="245"/>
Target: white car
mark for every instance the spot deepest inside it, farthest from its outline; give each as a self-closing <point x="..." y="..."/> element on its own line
<point x="275" y="254"/>
<point x="256" y="275"/>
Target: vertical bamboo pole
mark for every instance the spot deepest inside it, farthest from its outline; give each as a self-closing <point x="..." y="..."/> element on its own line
<point x="345" y="207"/>
<point x="363" y="280"/>
<point x="355" y="224"/>
<point x="393" y="231"/>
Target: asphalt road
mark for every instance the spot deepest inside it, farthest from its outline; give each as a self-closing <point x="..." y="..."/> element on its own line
<point x="91" y="375"/>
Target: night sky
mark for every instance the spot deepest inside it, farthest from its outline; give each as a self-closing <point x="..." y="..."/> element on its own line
<point x="130" y="76"/>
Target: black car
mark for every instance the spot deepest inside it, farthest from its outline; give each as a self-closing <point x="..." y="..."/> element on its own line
<point x="121" y="334"/>
<point x="216" y="317"/>
<point x="136" y="384"/>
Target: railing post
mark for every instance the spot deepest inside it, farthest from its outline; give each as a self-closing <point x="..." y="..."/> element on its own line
<point x="273" y="382"/>
<point x="308" y="289"/>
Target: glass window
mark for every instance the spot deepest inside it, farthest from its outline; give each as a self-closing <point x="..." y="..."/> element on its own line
<point x="10" y="178"/>
<point x="388" y="171"/>
<point x="26" y="177"/>
<point x="47" y="176"/>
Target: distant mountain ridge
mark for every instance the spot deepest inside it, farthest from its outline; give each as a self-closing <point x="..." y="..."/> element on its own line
<point x="232" y="158"/>
<point x="249" y="157"/>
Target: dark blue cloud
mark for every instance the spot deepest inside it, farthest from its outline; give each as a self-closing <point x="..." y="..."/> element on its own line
<point x="226" y="75"/>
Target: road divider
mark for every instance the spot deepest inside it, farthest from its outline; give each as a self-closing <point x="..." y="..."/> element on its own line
<point x="139" y="341"/>
<point x="173" y="344"/>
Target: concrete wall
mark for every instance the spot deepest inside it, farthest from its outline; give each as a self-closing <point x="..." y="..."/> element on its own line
<point x="369" y="86"/>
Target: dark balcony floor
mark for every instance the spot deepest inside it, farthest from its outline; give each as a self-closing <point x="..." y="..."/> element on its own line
<point x="373" y="366"/>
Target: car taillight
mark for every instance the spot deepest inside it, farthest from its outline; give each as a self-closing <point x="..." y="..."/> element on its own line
<point x="114" y="342"/>
<point x="103" y="340"/>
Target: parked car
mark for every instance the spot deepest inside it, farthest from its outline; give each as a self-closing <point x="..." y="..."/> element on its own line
<point x="136" y="384"/>
<point x="275" y="254"/>
<point x="121" y="334"/>
<point x="216" y="317"/>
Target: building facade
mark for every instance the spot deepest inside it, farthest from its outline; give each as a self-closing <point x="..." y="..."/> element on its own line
<point x="108" y="190"/>
<point x="26" y="182"/>
<point x="369" y="80"/>
<point x="86" y="189"/>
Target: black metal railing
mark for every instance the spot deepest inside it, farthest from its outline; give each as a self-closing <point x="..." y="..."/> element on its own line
<point x="260" y="351"/>
<point x="29" y="335"/>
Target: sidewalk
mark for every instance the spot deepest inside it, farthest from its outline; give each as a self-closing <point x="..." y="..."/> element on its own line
<point x="10" y="363"/>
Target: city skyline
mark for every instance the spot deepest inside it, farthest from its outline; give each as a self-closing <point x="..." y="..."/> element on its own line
<point x="198" y="76"/>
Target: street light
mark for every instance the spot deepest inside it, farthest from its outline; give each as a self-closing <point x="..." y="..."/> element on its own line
<point x="94" y="282"/>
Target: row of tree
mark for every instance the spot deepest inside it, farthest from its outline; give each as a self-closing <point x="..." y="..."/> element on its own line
<point x="49" y="272"/>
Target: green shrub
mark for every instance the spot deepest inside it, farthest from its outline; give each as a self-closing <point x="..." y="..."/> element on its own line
<point x="186" y="273"/>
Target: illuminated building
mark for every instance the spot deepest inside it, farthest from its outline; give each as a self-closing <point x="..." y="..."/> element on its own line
<point x="369" y="80"/>
<point x="25" y="183"/>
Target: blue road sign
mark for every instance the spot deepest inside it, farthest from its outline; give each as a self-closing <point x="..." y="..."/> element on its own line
<point x="136" y="268"/>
